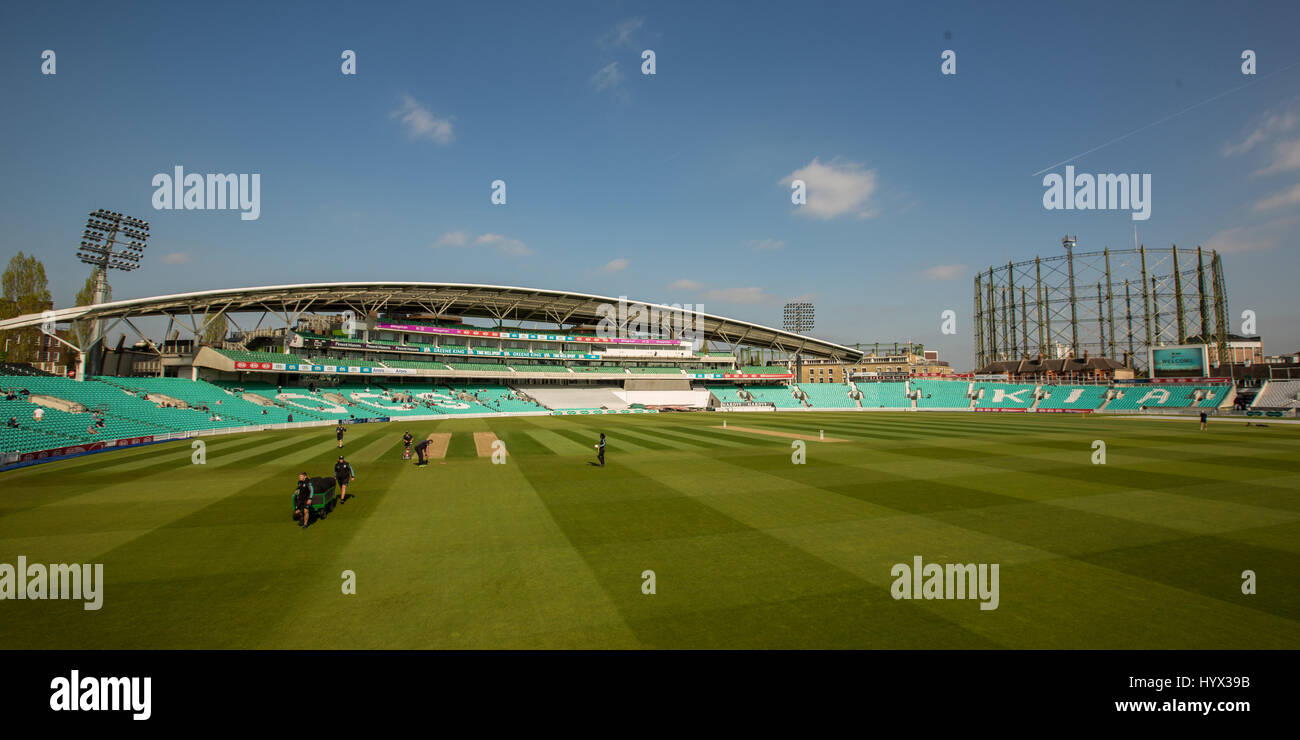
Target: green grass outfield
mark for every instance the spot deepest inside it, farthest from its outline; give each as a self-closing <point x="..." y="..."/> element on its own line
<point x="749" y="549"/>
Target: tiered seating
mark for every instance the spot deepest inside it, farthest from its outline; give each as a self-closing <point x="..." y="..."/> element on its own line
<point x="940" y="394"/>
<point x="300" y="402"/>
<point x="1080" y="397"/>
<point x="1006" y="395"/>
<point x="200" y="393"/>
<point x="763" y="370"/>
<point x="417" y="365"/>
<point x="1278" y="394"/>
<point x="540" y="369"/>
<point x="346" y="361"/>
<point x="479" y="366"/>
<point x="24" y="369"/>
<point x="371" y="401"/>
<point x="27" y="439"/>
<point x="246" y="356"/>
<point x="828" y="395"/>
<point x="888" y="395"/>
<point x="1214" y="395"/>
<point x="726" y="393"/>
<point x="440" y="399"/>
<point x="125" y="415"/>
<point x="500" y="398"/>
<point x="56" y="429"/>
<point x="780" y="396"/>
<point x="1163" y="396"/>
<point x="655" y="370"/>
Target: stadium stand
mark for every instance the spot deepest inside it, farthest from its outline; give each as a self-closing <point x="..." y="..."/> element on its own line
<point x="22" y="369"/>
<point x="576" y="398"/>
<point x="500" y="398"/>
<point x="885" y="394"/>
<point x="540" y="368"/>
<point x="416" y="365"/>
<point x="381" y="402"/>
<point x="654" y="370"/>
<point x="1214" y="396"/>
<point x="763" y="370"/>
<point x="1165" y="396"/>
<point x="200" y="394"/>
<point x="940" y="394"/>
<point x="781" y="396"/>
<point x="125" y="415"/>
<point x="240" y="355"/>
<point x="1079" y="397"/>
<point x="479" y="367"/>
<point x="726" y="393"/>
<point x="1005" y="395"/>
<point x="828" y="395"/>
<point x="1278" y="394"/>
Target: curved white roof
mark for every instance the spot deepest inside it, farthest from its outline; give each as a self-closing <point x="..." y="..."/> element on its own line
<point x="502" y="303"/>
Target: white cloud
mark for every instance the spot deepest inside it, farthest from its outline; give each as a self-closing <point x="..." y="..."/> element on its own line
<point x="505" y="245"/>
<point x="608" y="76"/>
<point x="737" y="295"/>
<point x="452" y="239"/>
<point x="944" y="272"/>
<point x="1285" y="198"/>
<point x="685" y="284"/>
<point x="1231" y="241"/>
<point x="176" y="258"/>
<point x="1271" y="125"/>
<point x="421" y="123"/>
<point x="835" y="189"/>
<point x="765" y="245"/>
<point x="1287" y="157"/>
<point x="621" y="33"/>
<point x="613" y="266"/>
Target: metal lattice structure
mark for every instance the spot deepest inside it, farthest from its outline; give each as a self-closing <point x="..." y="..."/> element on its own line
<point x="1114" y="303"/>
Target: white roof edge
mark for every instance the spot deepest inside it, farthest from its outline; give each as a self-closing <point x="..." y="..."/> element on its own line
<point x="76" y="312"/>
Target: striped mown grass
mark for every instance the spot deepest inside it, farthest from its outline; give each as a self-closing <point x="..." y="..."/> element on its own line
<point x="748" y="549"/>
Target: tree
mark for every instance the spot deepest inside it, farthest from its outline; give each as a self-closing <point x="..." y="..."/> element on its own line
<point x="83" y="330"/>
<point x="215" y="330"/>
<point x="25" y="291"/>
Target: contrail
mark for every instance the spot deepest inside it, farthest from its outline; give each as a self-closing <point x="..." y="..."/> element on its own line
<point x="1166" y="118"/>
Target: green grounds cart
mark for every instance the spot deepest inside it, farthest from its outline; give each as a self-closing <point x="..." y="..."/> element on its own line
<point x="321" y="500"/>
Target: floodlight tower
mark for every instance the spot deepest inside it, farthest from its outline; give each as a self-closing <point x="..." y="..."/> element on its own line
<point x="111" y="241"/>
<point x="798" y="318"/>
<point x="1069" y="242"/>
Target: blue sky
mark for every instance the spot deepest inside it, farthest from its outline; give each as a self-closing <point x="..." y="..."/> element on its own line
<point x="666" y="188"/>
